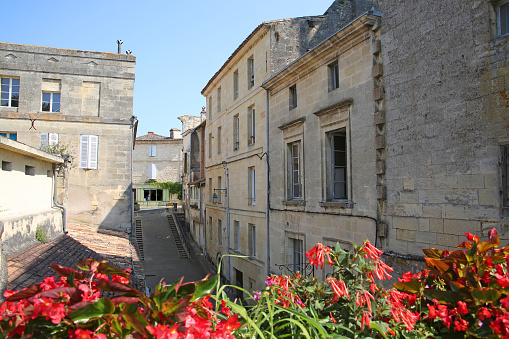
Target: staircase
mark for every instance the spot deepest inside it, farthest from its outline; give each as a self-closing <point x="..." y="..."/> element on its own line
<point x="181" y="247"/>
<point x="139" y="238"/>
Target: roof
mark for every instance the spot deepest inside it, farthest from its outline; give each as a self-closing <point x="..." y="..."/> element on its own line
<point x="259" y="27"/>
<point x="18" y="147"/>
<point x="154" y="137"/>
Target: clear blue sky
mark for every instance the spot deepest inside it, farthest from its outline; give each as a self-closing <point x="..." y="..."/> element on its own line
<point x="178" y="45"/>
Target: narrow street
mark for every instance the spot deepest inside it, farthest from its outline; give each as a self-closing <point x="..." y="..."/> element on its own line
<point x="162" y="259"/>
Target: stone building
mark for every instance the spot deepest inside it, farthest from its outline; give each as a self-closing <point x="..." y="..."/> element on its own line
<point x="441" y="91"/>
<point x="193" y="177"/>
<point x="159" y="158"/>
<point x="322" y="137"/>
<point x="236" y="143"/>
<point x="82" y="100"/>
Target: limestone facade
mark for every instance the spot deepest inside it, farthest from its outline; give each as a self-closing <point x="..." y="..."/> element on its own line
<point x="83" y="100"/>
<point x="322" y="182"/>
<point x="160" y="158"/>
<point x="236" y="142"/>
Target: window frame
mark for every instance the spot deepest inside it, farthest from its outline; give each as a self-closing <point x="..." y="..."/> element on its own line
<point x="10" y="91"/>
<point x="251" y="240"/>
<point x="10" y="135"/>
<point x="236" y="235"/>
<point x="250" y="72"/>
<point x="51" y="102"/>
<point x="297" y="265"/>
<point x="219" y="140"/>
<point x="251" y="186"/>
<point x="235" y="84"/>
<point x="333" y="75"/>
<point x="89" y="144"/>
<point x="218" y="100"/>
<point x="152" y="150"/>
<point x="293" y="172"/>
<point x="236" y="132"/>
<point x="210" y="107"/>
<point x="219" y="232"/>
<point x="334" y="194"/>
<point x="292" y="97"/>
<point x="48" y="139"/>
<point x="251" y="127"/>
<point x="504" y="160"/>
<point x="210" y="145"/>
<point x="498" y="8"/>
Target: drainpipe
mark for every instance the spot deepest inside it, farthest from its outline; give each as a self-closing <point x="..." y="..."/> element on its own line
<point x="64" y="211"/>
<point x="268" y="185"/>
<point x="228" y="221"/>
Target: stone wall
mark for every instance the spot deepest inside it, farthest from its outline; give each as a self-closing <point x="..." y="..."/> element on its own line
<point x="444" y="84"/>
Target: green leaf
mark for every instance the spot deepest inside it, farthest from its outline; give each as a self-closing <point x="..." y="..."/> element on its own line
<point x="101" y="307"/>
<point x="104" y="268"/>
<point x="113" y="286"/>
<point x="380" y="327"/>
<point x="473" y="251"/>
<point x="433" y="253"/>
<point x="449" y="297"/>
<point x="486" y="295"/>
<point x="413" y="286"/>
<point x="485" y="246"/>
<point x="137" y="323"/>
<point x="86" y="264"/>
<point x="204" y="287"/>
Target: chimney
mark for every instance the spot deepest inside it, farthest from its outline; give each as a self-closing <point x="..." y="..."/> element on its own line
<point x="119" y="42"/>
<point x="203" y="113"/>
<point x="175" y="133"/>
<point x="150" y="133"/>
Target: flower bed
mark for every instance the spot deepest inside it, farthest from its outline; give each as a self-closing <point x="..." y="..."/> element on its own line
<point x="462" y="293"/>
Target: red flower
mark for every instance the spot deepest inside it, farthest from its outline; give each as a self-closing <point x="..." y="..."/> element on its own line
<point x="365" y="319"/>
<point x="316" y="255"/>
<point x="225" y="309"/>
<point x="460" y="325"/>
<point x="484" y="313"/>
<point x="462" y="308"/>
<point x="503" y="281"/>
<point x="225" y="327"/>
<point x="505" y="302"/>
<point x="83" y="334"/>
<point x="472" y="237"/>
<point x="371" y="251"/>
<point x="338" y="287"/>
<point x="163" y="331"/>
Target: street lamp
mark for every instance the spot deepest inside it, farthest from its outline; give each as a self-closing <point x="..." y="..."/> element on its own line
<point x="215" y="198"/>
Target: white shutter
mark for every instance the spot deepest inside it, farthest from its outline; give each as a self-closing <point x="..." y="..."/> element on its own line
<point x="154" y="151"/>
<point x="52" y="139"/>
<point x="43" y="140"/>
<point x="93" y="147"/>
<point x="84" y="151"/>
<point x="152" y="171"/>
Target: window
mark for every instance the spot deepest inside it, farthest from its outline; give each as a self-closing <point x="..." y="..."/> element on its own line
<point x="251" y="125"/>
<point x="89" y="151"/>
<point x="152" y="150"/>
<point x="219" y="232"/>
<point x="503" y="18"/>
<point x="29" y="170"/>
<point x="219" y="140"/>
<point x="236" y="235"/>
<point x="6" y="166"/>
<point x="153" y="194"/>
<point x="297" y="254"/>
<point x="250" y="73"/>
<point x="293" y="97"/>
<point x="236" y="123"/>
<point x="210" y="145"/>
<point x="152" y="171"/>
<point x="50" y="95"/>
<point x="235" y="84"/>
<point x="10" y="135"/>
<point x="219" y="100"/>
<point x="210" y="228"/>
<point x="339" y="165"/>
<point x="251" y="186"/>
<point x="210" y="189"/>
<point x="505" y="175"/>
<point x="251" y="240"/>
<point x="333" y="76"/>
<point x="185" y="162"/>
<point x="294" y="175"/>
<point x="9" y="92"/>
<point x="210" y="108"/>
<point x="219" y="193"/>
<point x="48" y="139"/>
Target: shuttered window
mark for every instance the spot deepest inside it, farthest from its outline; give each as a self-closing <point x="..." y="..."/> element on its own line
<point x="48" y="139"/>
<point x="89" y="151"/>
<point x="152" y="150"/>
<point x="152" y="171"/>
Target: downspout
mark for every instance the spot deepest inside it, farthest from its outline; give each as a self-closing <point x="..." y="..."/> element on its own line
<point x="268" y="186"/>
<point x="55" y="202"/>
<point x="228" y="222"/>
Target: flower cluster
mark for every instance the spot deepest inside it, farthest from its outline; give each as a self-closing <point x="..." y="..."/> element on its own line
<point x="72" y="307"/>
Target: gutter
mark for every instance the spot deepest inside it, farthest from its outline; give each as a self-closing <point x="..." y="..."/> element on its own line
<point x="64" y="211"/>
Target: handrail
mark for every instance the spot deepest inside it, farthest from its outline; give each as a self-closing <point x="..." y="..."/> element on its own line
<point x="181" y="234"/>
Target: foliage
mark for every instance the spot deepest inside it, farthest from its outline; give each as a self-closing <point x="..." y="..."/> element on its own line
<point x="40" y="234"/>
<point x="173" y="188"/>
<point x="74" y="306"/>
<point x="64" y="150"/>
<point x="463" y="293"/>
<point x="460" y="294"/>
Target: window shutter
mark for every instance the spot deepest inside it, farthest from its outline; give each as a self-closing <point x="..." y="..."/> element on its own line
<point x="154" y="171"/>
<point x="52" y="139"/>
<point x="43" y="140"/>
<point x="84" y="151"/>
<point x="154" y="151"/>
<point x="149" y="151"/>
<point x="93" y="147"/>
